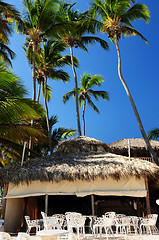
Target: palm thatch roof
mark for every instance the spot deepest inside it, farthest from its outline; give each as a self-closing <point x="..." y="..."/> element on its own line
<point x="84" y="165"/>
<point x="137" y="146"/>
<point x="82" y="144"/>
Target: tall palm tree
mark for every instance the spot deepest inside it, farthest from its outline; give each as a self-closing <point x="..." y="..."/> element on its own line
<point x="72" y="29"/>
<point x="49" y="63"/>
<point x="8" y="14"/>
<point x="36" y="19"/>
<point x="86" y="92"/>
<point x="115" y="18"/>
<point x="16" y="112"/>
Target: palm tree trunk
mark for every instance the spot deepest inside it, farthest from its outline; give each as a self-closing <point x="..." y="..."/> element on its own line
<point x="152" y="153"/>
<point x="34" y="71"/>
<point x="76" y="90"/>
<point x="34" y="94"/>
<point x="39" y="91"/>
<point x="83" y="114"/>
<point x="47" y="114"/>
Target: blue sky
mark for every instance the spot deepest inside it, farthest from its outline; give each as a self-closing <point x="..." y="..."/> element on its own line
<point x="140" y="66"/>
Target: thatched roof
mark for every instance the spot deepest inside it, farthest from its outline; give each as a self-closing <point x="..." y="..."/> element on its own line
<point x="82" y="144"/>
<point x="81" y="165"/>
<point x="137" y="145"/>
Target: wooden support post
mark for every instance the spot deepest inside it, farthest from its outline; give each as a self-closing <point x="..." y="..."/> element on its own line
<point x="5" y="191"/>
<point x="148" y="209"/>
<point x="92" y="201"/>
<point x="129" y="154"/>
<point x="46" y="203"/>
<point x="138" y="207"/>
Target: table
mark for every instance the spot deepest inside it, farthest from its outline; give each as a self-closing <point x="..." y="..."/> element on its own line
<point x="53" y="234"/>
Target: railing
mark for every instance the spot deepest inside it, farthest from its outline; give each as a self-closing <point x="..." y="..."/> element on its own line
<point x="149" y="159"/>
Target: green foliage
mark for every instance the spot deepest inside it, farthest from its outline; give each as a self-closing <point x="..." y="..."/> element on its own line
<point x="153" y="134"/>
<point x="116" y="17"/>
<point x="14" y="107"/>
<point x="16" y="113"/>
<point x="50" y="61"/>
<point x="8" y="14"/>
<point x="85" y="93"/>
<point x="37" y="14"/>
<point x="57" y="135"/>
<point x="73" y="26"/>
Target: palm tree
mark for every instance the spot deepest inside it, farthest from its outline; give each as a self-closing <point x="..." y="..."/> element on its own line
<point x="49" y="63"/>
<point x="16" y="112"/>
<point x="153" y="134"/>
<point x="57" y="135"/>
<point x="37" y="18"/>
<point x="71" y="29"/>
<point x="116" y="17"/>
<point x="7" y="14"/>
<point x="86" y="92"/>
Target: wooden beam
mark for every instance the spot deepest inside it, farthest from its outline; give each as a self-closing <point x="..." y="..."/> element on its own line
<point x="138" y="207"/>
<point x="46" y="203"/>
<point x="148" y="208"/>
<point x="92" y="202"/>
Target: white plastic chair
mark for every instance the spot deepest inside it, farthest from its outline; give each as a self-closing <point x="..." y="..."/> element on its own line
<point x="133" y="224"/>
<point x="73" y="213"/>
<point x="77" y="222"/>
<point x="32" y="224"/>
<point x="122" y="224"/>
<point x="43" y="214"/>
<point x="110" y="214"/>
<point x="53" y="222"/>
<point x="103" y="223"/>
<point x="98" y="226"/>
<point x="147" y="225"/>
<point x="60" y="220"/>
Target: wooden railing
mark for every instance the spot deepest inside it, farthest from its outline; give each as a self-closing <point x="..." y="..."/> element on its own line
<point x="149" y="159"/>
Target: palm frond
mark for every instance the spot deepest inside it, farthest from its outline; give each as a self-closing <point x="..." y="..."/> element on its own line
<point x="127" y="31"/>
<point x="6" y="53"/>
<point x="59" y="75"/>
<point x="92" y="40"/>
<point x="48" y="92"/>
<point x="92" y="105"/>
<point x="68" y="95"/>
<point x="95" y="80"/>
<point x="138" y="11"/>
<point x="153" y="134"/>
<point x="102" y="94"/>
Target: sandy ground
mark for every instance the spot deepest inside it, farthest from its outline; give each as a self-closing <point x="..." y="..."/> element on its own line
<point x="118" y="237"/>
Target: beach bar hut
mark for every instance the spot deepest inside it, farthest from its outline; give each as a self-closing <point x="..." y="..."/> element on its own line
<point x="135" y="147"/>
<point x="81" y="168"/>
